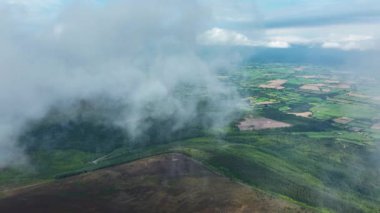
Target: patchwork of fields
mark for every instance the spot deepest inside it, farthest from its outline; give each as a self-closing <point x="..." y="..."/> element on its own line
<point x="309" y="135"/>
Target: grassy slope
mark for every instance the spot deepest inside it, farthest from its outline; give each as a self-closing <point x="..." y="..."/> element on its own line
<point x="298" y="168"/>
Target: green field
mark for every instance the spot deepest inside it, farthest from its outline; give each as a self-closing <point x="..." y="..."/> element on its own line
<point x="318" y="162"/>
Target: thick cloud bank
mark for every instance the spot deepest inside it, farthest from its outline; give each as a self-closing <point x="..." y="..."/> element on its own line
<point x="139" y="54"/>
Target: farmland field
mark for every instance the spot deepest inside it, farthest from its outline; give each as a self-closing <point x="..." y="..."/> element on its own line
<point x="320" y="149"/>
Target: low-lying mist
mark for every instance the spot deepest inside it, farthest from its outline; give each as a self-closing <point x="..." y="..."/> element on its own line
<point x="124" y="69"/>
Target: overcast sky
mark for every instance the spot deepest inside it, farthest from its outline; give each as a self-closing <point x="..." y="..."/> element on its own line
<point x="340" y="24"/>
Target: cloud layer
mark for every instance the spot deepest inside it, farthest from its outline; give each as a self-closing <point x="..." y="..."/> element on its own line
<point x="321" y="24"/>
<point x="136" y="53"/>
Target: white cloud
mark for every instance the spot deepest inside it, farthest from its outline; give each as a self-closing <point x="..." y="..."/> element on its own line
<point x="139" y="58"/>
<point x="218" y="36"/>
<point x="223" y="37"/>
<point x="290" y="39"/>
<point x="344" y="37"/>
<point x="331" y="45"/>
<point x="355" y="38"/>
<point x="344" y="45"/>
<point x="278" y="44"/>
<point x="349" y="42"/>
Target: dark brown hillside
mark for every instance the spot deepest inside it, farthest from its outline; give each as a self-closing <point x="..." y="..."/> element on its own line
<point x="166" y="183"/>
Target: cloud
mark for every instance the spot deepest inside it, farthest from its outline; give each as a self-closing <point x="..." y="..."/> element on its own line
<point x="324" y="19"/>
<point x="137" y="54"/>
<point x="299" y="22"/>
<point x="223" y="37"/>
<point x="278" y="44"/>
<point x="322" y="24"/>
<point x="361" y="37"/>
<point x="349" y="25"/>
<point x="218" y="36"/>
<point x="321" y="13"/>
<point x="33" y="3"/>
<point x="33" y="10"/>
<point x="232" y="14"/>
<point x="290" y="39"/>
<point x="350" y="42"/>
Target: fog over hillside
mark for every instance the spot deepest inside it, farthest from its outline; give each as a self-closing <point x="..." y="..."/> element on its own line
<point x="130" y="58"/>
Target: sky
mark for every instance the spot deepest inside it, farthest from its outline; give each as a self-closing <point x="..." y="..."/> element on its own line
<point x="332" y="24"/>
<point x="336" y="24"/>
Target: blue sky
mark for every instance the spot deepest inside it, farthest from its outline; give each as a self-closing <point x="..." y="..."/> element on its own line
<point x="339" y="24"/>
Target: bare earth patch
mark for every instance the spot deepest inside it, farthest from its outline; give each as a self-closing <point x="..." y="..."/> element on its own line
<point x="265" y="103"/>
<point x="343" y="120"/>
<point x="253" y="101"/>
<point x="332" y="81"/>
<point x="249" y="124"/>
<point x="326" y="90"/>
<point x="165" y="183"/>
<point x="341" y="86"/>
<point x="357" y="95"/>
<point x="302" y="114"/>
<point x="274" y="84"/>
<point x="308" y="76"/>
<point x="313" y="87"/>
